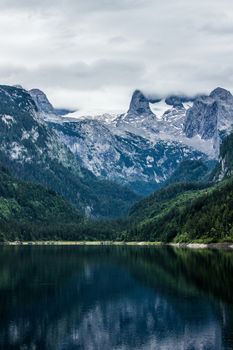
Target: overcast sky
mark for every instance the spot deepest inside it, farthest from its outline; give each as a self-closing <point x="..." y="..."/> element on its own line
<point x="92" y="54"/>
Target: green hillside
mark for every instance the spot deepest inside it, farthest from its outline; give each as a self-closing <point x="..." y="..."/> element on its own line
<point x="30" y="212"/>
<point x="183" y="213"/>
<point x="191" y="171"/>
<point x="189" y="211"/>
<point x="26" y="209"/>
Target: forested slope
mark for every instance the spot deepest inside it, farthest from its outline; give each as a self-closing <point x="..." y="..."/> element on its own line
<point x="183" y="213"/>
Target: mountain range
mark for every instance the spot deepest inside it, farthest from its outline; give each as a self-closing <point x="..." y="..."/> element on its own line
<point x="140" y="149"/>
<point x="189" y="211"/>
<point x="31" y="150"/>
<point x="144" y="146"/>
<point x="103" y="165"/>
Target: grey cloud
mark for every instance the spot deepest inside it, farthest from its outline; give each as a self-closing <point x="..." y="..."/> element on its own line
<point x="72" y="5"/>
<point x="220" y="28"/>
<point x="79" y="75"/>
<point x="117" y="40"/>
<point x="109" y="48"/>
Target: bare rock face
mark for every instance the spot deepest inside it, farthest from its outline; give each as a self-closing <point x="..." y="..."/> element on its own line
<point x="33" y="151"/>
<point x="221" y="94"/>
<point x="143" y="147"/>
<point x="42" y="101"/>
<point x="128" y="158"/>
<point x="140" y="148"/>
<point x="210" y="115"/>
<point x="45" y="106"/>
<point x="202" y="119"/>
<point x="139" y="104"/>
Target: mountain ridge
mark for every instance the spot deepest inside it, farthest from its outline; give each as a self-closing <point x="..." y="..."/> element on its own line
<point x="32" y="151"/>
<point x="142" y="148"/>
<point x="112" y="150"/>
<point x="185" y="211"/>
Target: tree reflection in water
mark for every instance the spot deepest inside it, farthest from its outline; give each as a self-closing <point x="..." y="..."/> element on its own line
<point x="115" y="298"/>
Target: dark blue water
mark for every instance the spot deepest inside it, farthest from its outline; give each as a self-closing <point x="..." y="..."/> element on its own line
<point x="115" y="298"/>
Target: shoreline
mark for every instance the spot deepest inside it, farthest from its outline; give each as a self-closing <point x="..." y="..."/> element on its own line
<point x="228" y="246"/>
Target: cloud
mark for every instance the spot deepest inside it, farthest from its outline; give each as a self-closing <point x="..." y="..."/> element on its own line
<point x="118" y="40"/>
<point x="77" y="75"/>
<point x="94" y="53"/>
<point x="219" y="28"/>
<point x="73" y="5"/>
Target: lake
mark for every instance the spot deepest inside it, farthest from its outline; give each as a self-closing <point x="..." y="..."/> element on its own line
<point x="115" y="297"/>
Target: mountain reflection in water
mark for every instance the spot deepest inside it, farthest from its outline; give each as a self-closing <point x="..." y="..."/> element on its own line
<point x="115" y="298"/>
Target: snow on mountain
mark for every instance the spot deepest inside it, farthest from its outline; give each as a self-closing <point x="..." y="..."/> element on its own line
<point x="159" y="108"/>
<point x="163" y="122"/>
<point x="135" y="148"/>
<point x="145" y="144"/>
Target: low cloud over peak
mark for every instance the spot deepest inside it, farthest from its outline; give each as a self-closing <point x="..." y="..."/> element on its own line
<point x="96" y="53"/>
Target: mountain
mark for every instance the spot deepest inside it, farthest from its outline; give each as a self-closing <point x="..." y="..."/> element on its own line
<point x="135" y="148"/>
<point x="127" y="159"/>
<point x="210" y="117"/>
<point x="33" y="151"/>
<point x="139" y="105"/>
<point x="186" y="212"/>
<point x="42" y="101"/>
<point x="225" y="166"/>
<point x="199" y="122"/>
<point x="44" y="106"/>
<point x="89" y="158"/>
<point x="56" y="153"/>
<point x="144" y="146"/>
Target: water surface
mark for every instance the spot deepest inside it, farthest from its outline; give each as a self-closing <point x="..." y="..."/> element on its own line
<point x="121" y="298"/>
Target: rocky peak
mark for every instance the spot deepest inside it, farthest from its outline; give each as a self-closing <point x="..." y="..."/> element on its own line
<point x="221" y="94"/>
<point x="42" y="101"/>
<point x="210" y="115"/>
<point x="139" y="104"/>
<point x="44" y="105"/>
<point x="202" y="119"/>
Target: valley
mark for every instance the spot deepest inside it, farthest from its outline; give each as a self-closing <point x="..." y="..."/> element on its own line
<point x="100" y="169"/>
